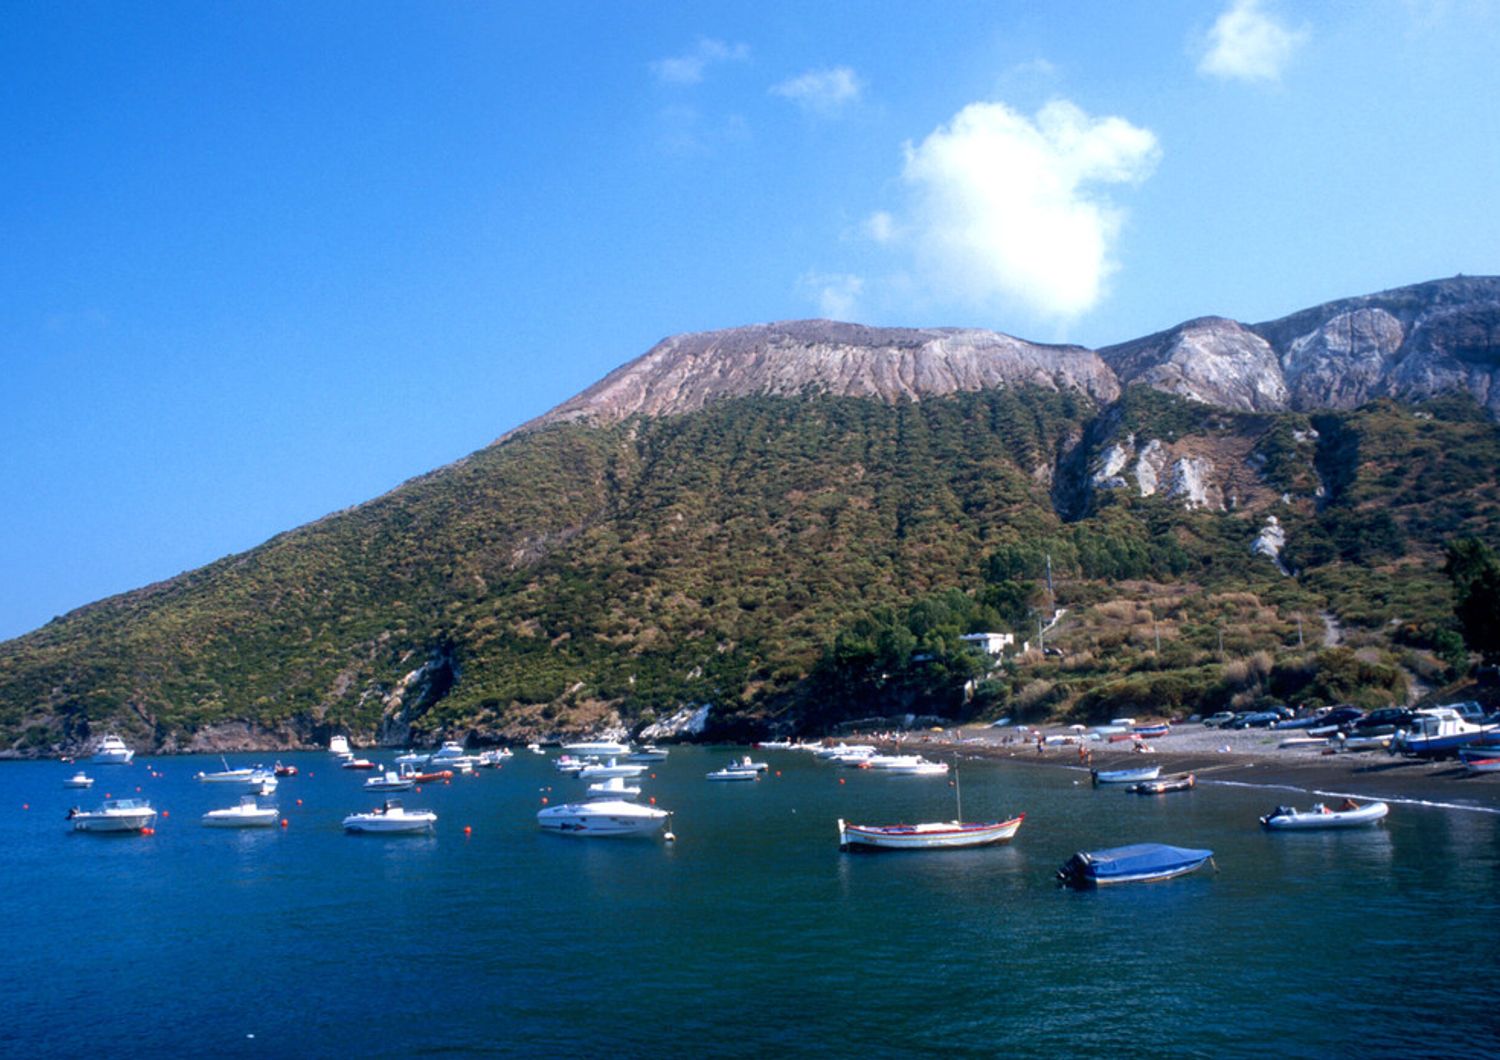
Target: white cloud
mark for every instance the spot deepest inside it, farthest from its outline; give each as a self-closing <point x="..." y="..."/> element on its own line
<point x="823" y="92"/>
<point x="880" y="226"/>
<point x="1004" y="209"/>
<point x="688" y="69"/>
<point x="1247" y="44"/>
<point x="837" y="294"/>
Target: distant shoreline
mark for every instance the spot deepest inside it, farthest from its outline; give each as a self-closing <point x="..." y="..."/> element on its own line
<point x="1251" y="758"/>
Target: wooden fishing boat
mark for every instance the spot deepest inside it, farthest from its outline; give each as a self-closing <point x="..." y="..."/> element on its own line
<point x="944" y="835"/>
<point x="1124" y="776"/>
<point x="1162" y="785"/>
<point x="1350" y="814"/>
<point x="1137" y="863"/>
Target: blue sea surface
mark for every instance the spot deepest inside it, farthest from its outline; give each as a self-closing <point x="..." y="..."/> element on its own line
<point x="751" y="935"/>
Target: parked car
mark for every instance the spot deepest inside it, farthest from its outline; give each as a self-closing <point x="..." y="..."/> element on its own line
<point x="1383" y="721"/>
<point x="1340" y="717"/>
<point x="1470" y="711"/>
<point x="1255" y="719"/>
<point x="1214" y="721"/>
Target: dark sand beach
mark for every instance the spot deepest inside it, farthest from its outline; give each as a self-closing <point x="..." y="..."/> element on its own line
<point x="1242" y="757"/>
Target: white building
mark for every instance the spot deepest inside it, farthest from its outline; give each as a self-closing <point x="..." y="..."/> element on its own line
<point x="991" y="643"/>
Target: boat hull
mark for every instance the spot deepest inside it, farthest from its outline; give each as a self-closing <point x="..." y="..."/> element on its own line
<point x="1141" y="863"/>
<point x="238" y="819"/>
<point x="947" y="835"/>
<point x="1124" y="776"/>
<point x="1371" y="813"/>
<point x="604" y="820"/>
<point x="389" y="824"/>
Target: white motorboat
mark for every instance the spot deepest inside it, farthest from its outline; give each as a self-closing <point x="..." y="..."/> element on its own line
<point x="571" y="764"/>
<point x="112" y="752"/>
<point x="612" y="768"/>
<point x="496" y="758"/>
<point x="389" y="781"/>
<point x="450" y="750"/>
<point x="413" y="758"/>
<point x="607" y="818"/>
<point x="944" y="835"/>
<point x="226" y="775"/>
<point x="114" y="815"/>
<point x="339" y="745"/>
<point x="1124" y="776"/>
<point x="263" y="782"/>
<point x="602" y="748"/>
<point x="613" y="788"/>
<point x="1350" y="814"/>
<point x="648" y="753"/>
<point x="79" y="780"/>
<point x="248" y="814"/>
<point x="390" y="819"/>
<point x="535" y="748"/>
<point x="917" y="766"/>
<point x="863" y="749"/>
<point x="731" y="773"/>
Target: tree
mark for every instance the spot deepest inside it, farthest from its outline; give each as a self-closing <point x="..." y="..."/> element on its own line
<point x="1475" y="574"/>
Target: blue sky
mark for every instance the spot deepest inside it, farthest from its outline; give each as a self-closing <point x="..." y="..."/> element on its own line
<point x="264" y="261"/>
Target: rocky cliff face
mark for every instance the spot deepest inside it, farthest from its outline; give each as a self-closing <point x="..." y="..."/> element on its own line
<point x="1409" y="343"/>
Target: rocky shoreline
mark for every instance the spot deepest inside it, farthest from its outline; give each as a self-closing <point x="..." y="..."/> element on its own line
<point x="1243" y="757"/>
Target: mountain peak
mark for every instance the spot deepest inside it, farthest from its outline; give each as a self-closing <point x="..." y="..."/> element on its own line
<point x="686" y="372"/>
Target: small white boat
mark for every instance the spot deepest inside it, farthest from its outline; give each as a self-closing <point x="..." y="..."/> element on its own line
<point x="112" y="752"/>
<point x="450" y="750"/>
<point x="944" y="835"/>
<point x="907" y="765"/>
<point x="608" y="818"/>
<point x="748" y="763"/>
<point x="613" y="788"/>
<point x="391" y="819"/>
<point x="262" y="782"/>
<point x="1350" y="814"/>
<point x="1124" y="776"/>
<point x="389" y="781"/>
<point x="732" y="774"/>
<point x="79" y="780"/>
<point x="535" y="748"/>
<point x="339" y="745"/>
<point x="610" y="769"/>
<point x="648" y="753"/>
<point x="413" y="758"/>
<point x="248" y="814"/>
<point x="115" y="815"/>
<point x="602" y="748"/>
<point x="226" y="775"/>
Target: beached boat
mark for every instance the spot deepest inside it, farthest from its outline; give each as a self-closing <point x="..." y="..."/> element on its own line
<point x="1162" y="785"/>
<point x="937" y="835"/>
<point x="1151" y="732"/>
<point x="1349" y="814"/>
<point x="1137" y="863"/>
<point x="112" y="752"/>
<point x="79" y="779"/>
<point x="1437" y="732"/>
<point x="392" y="818"/>
<point x="1482" y="765"/>
<point x="114" y="815"/>
<point x="1361" y="743"/>
<point x="1124" y="776"/>
<point x="609" y="818"/>
<point x="247" y="814"/>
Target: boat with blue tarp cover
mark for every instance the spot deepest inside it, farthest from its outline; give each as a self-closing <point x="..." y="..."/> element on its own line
<point x="1137" y="863"/>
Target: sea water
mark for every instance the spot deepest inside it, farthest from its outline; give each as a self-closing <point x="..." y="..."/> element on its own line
<point x="750" y="935"/>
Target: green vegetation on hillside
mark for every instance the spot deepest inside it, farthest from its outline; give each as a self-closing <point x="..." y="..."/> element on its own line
<point x="796" y="561"/>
